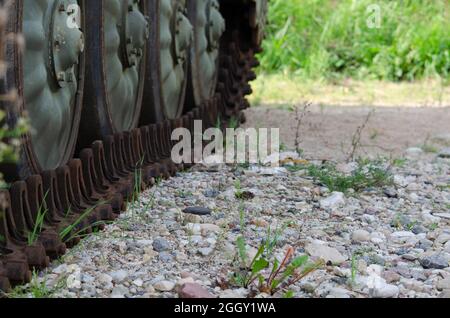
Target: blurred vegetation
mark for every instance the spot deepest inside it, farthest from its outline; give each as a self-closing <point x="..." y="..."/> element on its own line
<point x="9" y="134"/>
<point x="331" y="39"/>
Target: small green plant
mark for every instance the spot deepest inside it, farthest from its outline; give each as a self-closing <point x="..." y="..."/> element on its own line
<point x="242" y="222"/>
<point x="238" y="189"/>
<point x="368" y="174"/>
<point x="433" y="226"/>
<point x="33" y="236"/>
<point x="354" y="268"/>
<point x="281" y="275"/>
<point x="35" y="289"/>
<point x="233" y="123"/>
<point x="65" y="233"/>
<point x="399" y="162"/>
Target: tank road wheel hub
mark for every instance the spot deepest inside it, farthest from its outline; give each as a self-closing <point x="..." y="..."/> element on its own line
<point x="215" y="25"/>
<point x="66" y="41"/>
<point x="209" y="27"/>
<point x="176" y="34"/>
<point x="126" y="31"/>
<point x="183" y="32"/>
<point x="54" y="43"/>
<point x="135" y="32"/>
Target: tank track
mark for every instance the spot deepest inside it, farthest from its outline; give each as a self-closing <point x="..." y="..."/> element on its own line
<point x="104" y="177"/>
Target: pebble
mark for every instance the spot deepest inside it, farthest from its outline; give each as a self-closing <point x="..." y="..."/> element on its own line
<point x="444" y="153"/>
<point x="193" y="290"/>
<point x="326" y="253"/>
<point x="197" y="211"/>
<point x="164" y="286"/>
<point x="161" y="245"/>
<point x="119" y="276"/>
<point x="360" y="236"/>
<point x="119" y="291"/>
<point x="435" y="261"/>
<point x="336" y="199"/>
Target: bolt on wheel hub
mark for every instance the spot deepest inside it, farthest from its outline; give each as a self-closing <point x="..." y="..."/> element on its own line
<point x="135" y="32"/>
<point x="215" y="26"/>
<point x="183" y="32"/>
<point x="66" y="41"/>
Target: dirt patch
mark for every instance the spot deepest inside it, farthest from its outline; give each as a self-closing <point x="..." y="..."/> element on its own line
<point x="327" y="131"/>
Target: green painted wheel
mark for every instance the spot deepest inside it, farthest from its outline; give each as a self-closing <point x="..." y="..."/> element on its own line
<point x="176" y="34"/>
<point x="126" y="32"/>
<point x="52" y="79"/>
<point x="209" y="26"/>
<point x="116" y="47"/>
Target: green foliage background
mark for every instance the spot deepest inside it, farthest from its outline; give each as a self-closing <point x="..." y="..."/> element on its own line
<point x="331" y="38"/>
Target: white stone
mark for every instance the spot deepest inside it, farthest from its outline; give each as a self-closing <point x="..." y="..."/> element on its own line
<point x="360" y="236"/>
<point x="119" y="292"/>
<point x="336" y="199"/>
<point x="442" y="215"/>
<point x="325" y="253"/>
<point x="138" y="282"/>
<point x="73" y="281"/>
<point x="209" y="228"/>
<point x="164" y="286"/>
<point x="105" y="279"/>
<point x="386" y="291"/>
<point x="194" y="229"/>
<point x="402" y="236"/>
<point x="119" y="276"/>
<point x="429" y="219"/>
<point x="186" y="280"/>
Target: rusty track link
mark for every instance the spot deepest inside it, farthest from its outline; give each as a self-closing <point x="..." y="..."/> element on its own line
<point x="103" y="179"/>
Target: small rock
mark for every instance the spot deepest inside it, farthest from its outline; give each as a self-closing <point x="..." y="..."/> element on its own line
<point x="194" y="229"/>
<point x="442" y="215"/>
<point x="105" y="279"/>
<point x="390" y="193"/>
<point x="336" y="199"/>
<point x="447" y="247"/>
<point x="325" y="253"/>
<point x="185" y="280"/>
<point x="193" y="290"/>
<point x="205" y="251"/>
<point x="211" y="193"/>
<point x="119" y="291"/>
<point x="234" y="293"/>
<point x="443" y="284"/>
<point x="444" y="153"/>
<point x="165" y="257"/>
<point x="192" y="218"/>
<point x="73" y="281"/>
<point x="359" y="236"/>
<point x="164" y="286"/>
<point x="161" y="245"/>
<point x="435" y="261"/>
<point x="209" y="228"/>
<point x="197" y="211"/>
<point x="337" y="292"/>
<point x="138" y="282"/>
<point x="391" y="276"/>
<point x="119" y="276"/>
<point x="402" y="236"/>
<point x="385" y="290"/>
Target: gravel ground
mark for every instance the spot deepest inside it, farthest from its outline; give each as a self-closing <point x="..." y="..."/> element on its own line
<point x="387" y="241"/>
